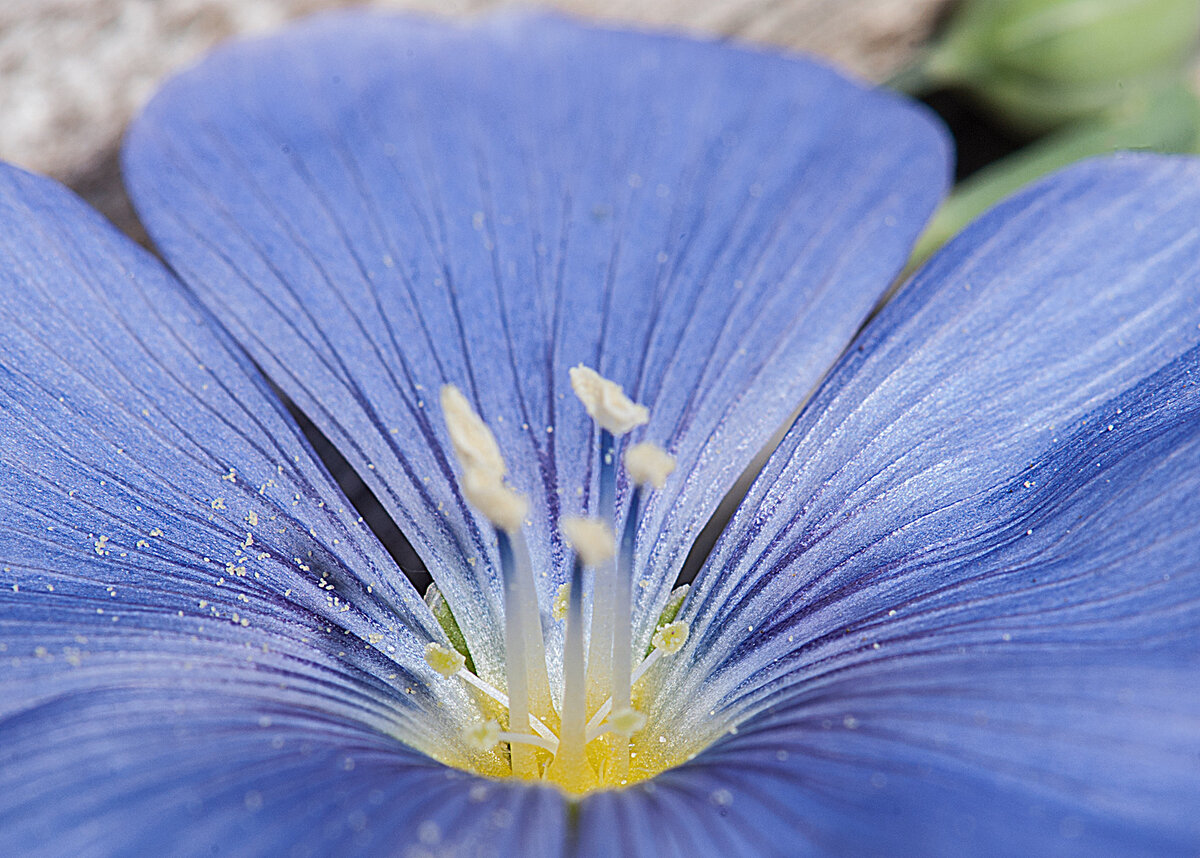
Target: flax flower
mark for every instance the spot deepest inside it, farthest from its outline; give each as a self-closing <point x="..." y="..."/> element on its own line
<point x="956" y="613"/>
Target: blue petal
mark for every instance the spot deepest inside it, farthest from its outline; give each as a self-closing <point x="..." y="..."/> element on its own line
<point x="1009" y="457"/>
<point x="199" y="772"/>
<point x="375" y="206"/>
<point x="1002" y="754"/>
<point x="165" y="529"/>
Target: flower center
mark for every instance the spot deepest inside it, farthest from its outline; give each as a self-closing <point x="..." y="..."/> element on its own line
<point x="589" y="733"/>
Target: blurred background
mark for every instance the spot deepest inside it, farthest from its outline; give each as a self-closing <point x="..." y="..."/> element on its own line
<point x="1025" y="85"/>
<point x="72" y="72"/>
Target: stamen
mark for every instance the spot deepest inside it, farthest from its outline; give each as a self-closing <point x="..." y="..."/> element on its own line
<point x="444" y="661"/>
<point x="625" y="722"/>
<point x="445" y="617"/>
<point x="485" y="735"/>
<point x="675" y="639"/>
<point x="500" y="697"/>
<point x="525" y="739"/>
<point x="600" y="674"/>
<point x="623" y="725"/>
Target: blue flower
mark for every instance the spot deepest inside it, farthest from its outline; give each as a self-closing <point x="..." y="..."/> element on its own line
<point x="957" y="612"/>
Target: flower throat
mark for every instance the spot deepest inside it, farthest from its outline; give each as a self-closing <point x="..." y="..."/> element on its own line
<point x="590" y="734"/>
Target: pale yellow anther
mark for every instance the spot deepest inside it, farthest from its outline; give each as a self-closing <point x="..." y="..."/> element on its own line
<point x="626" y="722"/>
<point x="474" y="444"/>
<point x="483" y="735"/>
<point x="486" y="491"/>
<point x="671" y="637"/>
<point x="649" y="464"/>
<point x="559" y="609"/>
<point x="591" y="538"/>
<point x="447" y="662"/>
<point x="606" y="402"/>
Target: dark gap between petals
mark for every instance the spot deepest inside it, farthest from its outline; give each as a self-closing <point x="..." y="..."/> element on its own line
<point x="363" y="499"/>
<point x="706" y="541"/>
<point x="703" y="546"/>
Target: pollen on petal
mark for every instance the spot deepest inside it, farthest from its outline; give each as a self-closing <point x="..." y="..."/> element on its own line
<point x="447" y="662"/>
<point x="649" y="464"/>
<point x="671" y="637"/>
<point x="591" y="538"/>
<point x="606" y="402"/>
<point x="474" y="444"/>
<point x="486" y="491"/>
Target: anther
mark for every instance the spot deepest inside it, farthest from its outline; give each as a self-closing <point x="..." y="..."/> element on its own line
<point x="482" y="735"/>
<point x="671" y="637"/>
<point x="448" y="662"/>
<point x="485" y="490"/>
<point x="649" y="464"/>
<point x="598" y="677"/>
<point x="606" y="402"/>
<point x="474" y="444"/>
<point x="591" y="538"/>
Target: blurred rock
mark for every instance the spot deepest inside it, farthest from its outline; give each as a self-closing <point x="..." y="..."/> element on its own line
<point x="72" y="72"/>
